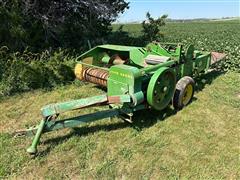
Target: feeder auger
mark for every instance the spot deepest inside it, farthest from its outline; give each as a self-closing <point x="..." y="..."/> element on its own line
<point x="135" y="78"/>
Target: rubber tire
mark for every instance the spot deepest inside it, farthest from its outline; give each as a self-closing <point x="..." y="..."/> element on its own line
<point x="179" y="92"/>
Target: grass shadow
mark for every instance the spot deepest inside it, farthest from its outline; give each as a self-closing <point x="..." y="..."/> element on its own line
<point x="149" y="117"/>
<point x="207" y="79"/>
<point x="81" y="131"/>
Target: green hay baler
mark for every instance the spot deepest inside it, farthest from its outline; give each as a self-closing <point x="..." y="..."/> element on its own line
<point x="135" y="78"/>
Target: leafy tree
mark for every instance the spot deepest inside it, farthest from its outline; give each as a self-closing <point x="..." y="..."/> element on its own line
<point x="65" y="23"/>
<point x="152" y="27"/>
<point x="12" y="33"/>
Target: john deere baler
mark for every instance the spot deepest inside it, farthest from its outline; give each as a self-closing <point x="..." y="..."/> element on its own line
<point x="135" y="78"/>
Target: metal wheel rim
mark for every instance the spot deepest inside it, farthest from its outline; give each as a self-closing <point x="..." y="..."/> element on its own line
<point x="187" y="95"/>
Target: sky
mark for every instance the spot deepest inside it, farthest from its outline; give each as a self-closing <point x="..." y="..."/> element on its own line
<point x="180" y="9"/>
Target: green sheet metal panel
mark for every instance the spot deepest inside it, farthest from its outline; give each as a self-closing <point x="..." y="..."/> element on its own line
<point x="202" y="63"/>
<point x="123" y="79"/>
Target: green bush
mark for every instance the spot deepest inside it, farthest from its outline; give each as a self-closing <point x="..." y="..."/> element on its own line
<point x="27" y="71"/>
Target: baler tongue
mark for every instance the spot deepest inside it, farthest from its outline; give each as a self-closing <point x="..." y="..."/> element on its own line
<point x="51" y="112"/>
<point x="216" y="57"/>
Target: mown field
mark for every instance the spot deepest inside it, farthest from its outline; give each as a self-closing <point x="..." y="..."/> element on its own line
<point x="199" y="142"/>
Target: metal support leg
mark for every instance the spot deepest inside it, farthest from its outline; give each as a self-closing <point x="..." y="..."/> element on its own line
<point x="33" y="148"/>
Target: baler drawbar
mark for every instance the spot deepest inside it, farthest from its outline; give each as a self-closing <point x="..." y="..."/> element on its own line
<point x="135" y="78"/>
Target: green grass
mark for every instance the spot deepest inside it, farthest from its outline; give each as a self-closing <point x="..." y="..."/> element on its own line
<point x="199" y="142"/>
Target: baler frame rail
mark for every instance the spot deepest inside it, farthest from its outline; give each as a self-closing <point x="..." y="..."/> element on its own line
<point x="48" y="125"/>
<point x="51" y="112"/>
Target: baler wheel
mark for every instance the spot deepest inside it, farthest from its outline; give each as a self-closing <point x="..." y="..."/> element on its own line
<point x="184" y="92"/>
